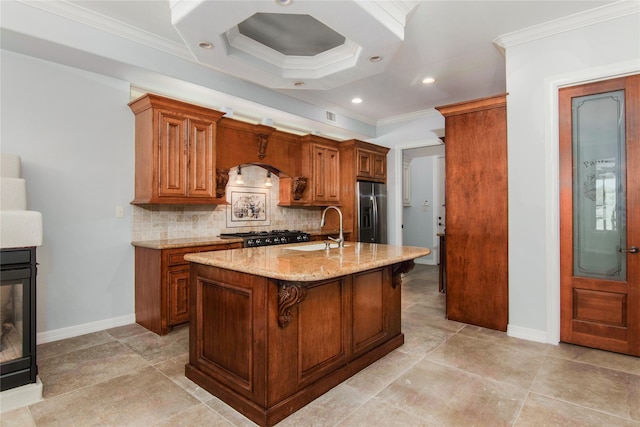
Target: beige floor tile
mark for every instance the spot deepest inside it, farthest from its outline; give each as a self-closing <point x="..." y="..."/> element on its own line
<point x="69" y="345"/>
<point x="393" y="365"/>
<point x="499" y="337"/>
<point x="155" y="348"/>
<point x="328" y="409"/>
<point x="610" y="391"/>
<point x="446" y="396"/>
<point x="67" y="372"/>
<point x="378" y="413"/>
<point x="17" y="418"/>
<point x="140" y="398"/>
<point x="423" y="339"/>
<point x="230" y="414"/>
<point x="367" y="383"/>
<point x="606" y="359"/>
<point x="198" y="416"/>
<point x="174" y="369"/>
<point x="127" y="331"/>
<point x="498" y="362"/>
<point x="542" y="411"/>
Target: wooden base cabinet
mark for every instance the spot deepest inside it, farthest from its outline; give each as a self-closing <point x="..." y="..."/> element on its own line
<point x="162" y="286"/>
<point x="268" y="347"/>
<point x="476" y="215"/>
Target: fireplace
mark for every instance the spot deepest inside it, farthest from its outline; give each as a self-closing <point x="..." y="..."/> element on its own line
<point x="17" y="314"/>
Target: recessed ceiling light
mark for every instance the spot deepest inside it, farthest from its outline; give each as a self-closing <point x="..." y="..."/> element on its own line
<point x="375" y="58"/>
<point x="428" y="80"/>
<point x="283" y="2"/>
<point x="298" y="83"/>
<point x="356" y="100"/>
<point x="205" y="45"/>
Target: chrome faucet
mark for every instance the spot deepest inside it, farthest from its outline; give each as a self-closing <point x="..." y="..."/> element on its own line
<point x="340" y="239"/>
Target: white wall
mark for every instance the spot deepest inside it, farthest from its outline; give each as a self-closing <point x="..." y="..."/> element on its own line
<point x="419" y="132"/>
<point x="535" y="69"/>
<point x="75" y="134"/>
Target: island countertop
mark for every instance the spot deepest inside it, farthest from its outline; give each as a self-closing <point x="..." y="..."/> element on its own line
<point x="284" y="263"/>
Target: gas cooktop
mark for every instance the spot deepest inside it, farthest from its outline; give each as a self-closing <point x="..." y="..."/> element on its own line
<point x="267" y="238"/>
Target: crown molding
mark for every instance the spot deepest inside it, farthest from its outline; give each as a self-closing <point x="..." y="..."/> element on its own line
<point x="101" y="22"/>
<point x="569" y="23"/>
<point x="423" y="114"/>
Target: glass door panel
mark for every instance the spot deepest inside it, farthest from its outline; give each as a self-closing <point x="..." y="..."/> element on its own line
<point x="599" y="215"/>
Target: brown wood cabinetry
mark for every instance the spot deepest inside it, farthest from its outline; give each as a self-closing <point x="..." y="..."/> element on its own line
<point x="325" y="174"/>
<point x="162" y="285"/>
<point x="315" y="180"/>
<point x="359" y="161"/>
<point x="287" y="342"/>
<point x="175" y="152"/>
<point x="476" y="215"/>
<point x="371" y="165"/>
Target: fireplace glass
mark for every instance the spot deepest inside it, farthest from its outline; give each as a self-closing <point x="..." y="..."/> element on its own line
<point x="17" y="316"/>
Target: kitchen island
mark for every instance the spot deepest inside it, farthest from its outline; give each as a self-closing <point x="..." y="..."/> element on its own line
<point x="274" y="327"/>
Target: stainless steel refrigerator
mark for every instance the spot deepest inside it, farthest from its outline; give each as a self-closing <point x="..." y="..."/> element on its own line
<point x="372" y="212"/>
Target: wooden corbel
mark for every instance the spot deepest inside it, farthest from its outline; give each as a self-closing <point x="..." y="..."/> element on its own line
<point x="222" y="178"/>
<point x="289" y="294"/>
<point x="299" y="185"/>
<point x="263" y="132"/>
<point x="398" y="270"/>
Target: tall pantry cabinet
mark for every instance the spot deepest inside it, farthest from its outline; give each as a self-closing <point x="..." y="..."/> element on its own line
<point x="476" y="212"/>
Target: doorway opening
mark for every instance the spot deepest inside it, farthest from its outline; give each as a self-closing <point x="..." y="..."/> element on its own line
<point x="422" y="205"/>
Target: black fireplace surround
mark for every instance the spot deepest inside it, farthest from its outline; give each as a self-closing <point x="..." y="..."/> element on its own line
<point x="18" y="316"/>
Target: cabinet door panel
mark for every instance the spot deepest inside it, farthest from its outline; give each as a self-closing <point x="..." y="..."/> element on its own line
<point x="201" y="159"/>
<point x="379" y="166"/>
<point x="178" y="280"/>
<point x="172" y="173"/>
<point x="326" y="175"/>
<point x="364" y="163"/>
<point x="369" y="309"/>
<point x="319" y="173"/>
<point x="322" y="330"/>
<point x="333" y="176"/>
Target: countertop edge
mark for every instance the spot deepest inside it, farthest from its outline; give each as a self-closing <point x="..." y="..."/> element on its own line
<point x="188" y="242"/>
<point x="201" y="258"/>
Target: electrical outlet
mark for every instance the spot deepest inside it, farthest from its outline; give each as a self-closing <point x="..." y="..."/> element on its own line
<point x="119" y="211"/>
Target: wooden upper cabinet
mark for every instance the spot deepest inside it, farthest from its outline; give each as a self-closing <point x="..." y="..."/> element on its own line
<point x="315" y="178"/>
<point x="175" y="152"/>
<point x="371" y="165"/>
<point x="325" y="174"/>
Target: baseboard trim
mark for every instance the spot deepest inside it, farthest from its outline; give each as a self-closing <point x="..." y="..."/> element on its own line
<point x="85" y="328"/>
<point x="528" y="334"/>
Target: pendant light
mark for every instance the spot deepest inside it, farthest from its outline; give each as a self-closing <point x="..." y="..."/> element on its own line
<point x="267" y="181"/>
<point x="239" y="180"/>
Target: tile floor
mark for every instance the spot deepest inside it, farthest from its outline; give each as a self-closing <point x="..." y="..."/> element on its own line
<point x="446" y="374"/>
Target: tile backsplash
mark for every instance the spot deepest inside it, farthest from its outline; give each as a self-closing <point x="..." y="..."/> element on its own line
<point x="156" y="222"/>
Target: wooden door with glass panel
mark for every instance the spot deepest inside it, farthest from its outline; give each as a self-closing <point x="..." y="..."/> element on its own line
<point x="600" y="214"/>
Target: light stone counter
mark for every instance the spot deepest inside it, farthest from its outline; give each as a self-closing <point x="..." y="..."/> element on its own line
<point x="184" y="242"/>
<point x="283" y="263"/>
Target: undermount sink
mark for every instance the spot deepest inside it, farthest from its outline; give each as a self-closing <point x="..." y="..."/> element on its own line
<point x="315" y="247"/>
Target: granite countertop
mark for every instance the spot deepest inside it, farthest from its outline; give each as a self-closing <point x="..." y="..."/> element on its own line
<point x="187" y="242"/>
<point x="284" y="263"/>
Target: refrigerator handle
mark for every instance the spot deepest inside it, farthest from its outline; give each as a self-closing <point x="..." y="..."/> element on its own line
<point x="375" y="218"/>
